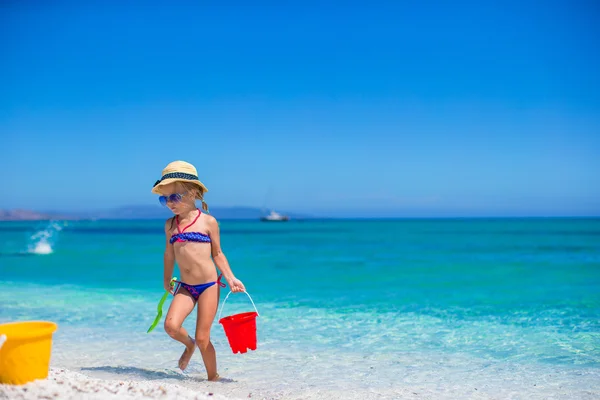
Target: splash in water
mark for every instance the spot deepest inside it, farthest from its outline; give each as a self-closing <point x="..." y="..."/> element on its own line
<point x="42" y="241"/>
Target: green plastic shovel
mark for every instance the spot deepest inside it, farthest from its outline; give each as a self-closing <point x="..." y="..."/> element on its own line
<point x="160" y="306"/>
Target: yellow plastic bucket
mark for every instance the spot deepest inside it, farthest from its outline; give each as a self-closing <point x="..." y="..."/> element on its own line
<point x="25" y="355"/>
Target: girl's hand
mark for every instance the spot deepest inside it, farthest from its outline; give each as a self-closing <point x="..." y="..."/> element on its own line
<point x="168" y="287"/>
<point x="236" y="285"/>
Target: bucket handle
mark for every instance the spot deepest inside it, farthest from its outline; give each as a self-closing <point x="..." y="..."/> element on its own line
<point x="223" y="306"/>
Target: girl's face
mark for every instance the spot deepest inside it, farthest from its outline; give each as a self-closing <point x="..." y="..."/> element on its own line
<point x="176" y="197"/>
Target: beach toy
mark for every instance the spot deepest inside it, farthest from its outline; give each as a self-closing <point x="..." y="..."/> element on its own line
<point x="240" y="329"/>
<point x="25" y="351"/>
<point x="160" y="306"/>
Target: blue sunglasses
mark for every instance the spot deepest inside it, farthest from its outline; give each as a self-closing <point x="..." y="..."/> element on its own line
<point x="173" y="198"/>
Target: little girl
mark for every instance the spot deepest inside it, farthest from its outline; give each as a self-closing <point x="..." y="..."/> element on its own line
<point x="192" y="239"/>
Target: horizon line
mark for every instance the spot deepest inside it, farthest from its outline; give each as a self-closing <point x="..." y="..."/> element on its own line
<point x="299" y="215"/>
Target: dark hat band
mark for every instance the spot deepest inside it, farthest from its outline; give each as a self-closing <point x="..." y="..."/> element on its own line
<point x="177" y="175"/>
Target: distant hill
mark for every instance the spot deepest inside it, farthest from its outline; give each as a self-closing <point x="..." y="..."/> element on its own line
<point x="133" y="212"/>
<point x="29" y="215"/>
<point x="157" y="212"/>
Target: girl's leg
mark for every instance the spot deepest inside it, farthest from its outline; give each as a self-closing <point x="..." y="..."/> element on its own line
<point x="207" y="308"/>
<point x="181" y="306"/>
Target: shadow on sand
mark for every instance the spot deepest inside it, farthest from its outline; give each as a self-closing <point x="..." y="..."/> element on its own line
<point x="149" y="374"/>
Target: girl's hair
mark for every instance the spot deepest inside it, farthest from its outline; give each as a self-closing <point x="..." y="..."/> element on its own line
<point x="198" y="193"/>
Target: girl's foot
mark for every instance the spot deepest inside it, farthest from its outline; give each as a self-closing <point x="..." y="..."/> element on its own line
<point x="185" y="358"/>
<point x="214" y="378"/>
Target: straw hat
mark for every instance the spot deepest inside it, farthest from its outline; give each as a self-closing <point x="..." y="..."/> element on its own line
<point x="178" y="171"/>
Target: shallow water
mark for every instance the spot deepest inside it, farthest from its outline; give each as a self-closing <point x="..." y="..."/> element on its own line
<point x="348" y="309"/>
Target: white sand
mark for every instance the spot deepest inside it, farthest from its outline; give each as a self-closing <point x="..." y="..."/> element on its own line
<point x="64" y="384"/>
<point x="444" y="382"/>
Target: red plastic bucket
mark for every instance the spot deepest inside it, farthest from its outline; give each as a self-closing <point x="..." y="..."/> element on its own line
<point x="240" y="329"/>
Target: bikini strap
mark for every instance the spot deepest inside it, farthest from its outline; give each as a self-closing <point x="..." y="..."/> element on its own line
<point x="193" y="222"/>
<point x="176" y="287"/>
<point x="179" y="283"/>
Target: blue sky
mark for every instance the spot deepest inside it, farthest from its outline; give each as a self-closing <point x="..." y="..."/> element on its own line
<point x="379" y="109"/>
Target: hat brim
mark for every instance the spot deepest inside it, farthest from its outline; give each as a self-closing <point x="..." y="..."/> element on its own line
<point x="156" y="188"/>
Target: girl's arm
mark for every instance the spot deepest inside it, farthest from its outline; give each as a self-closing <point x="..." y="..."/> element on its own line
<point x="168" y="260"/>
<point x="219" y="257"/>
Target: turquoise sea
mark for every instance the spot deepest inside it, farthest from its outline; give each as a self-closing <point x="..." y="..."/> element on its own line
<point x="354" y="309"/>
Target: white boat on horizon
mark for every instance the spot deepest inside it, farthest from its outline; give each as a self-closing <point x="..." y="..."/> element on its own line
<point x="274" y="217"/>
